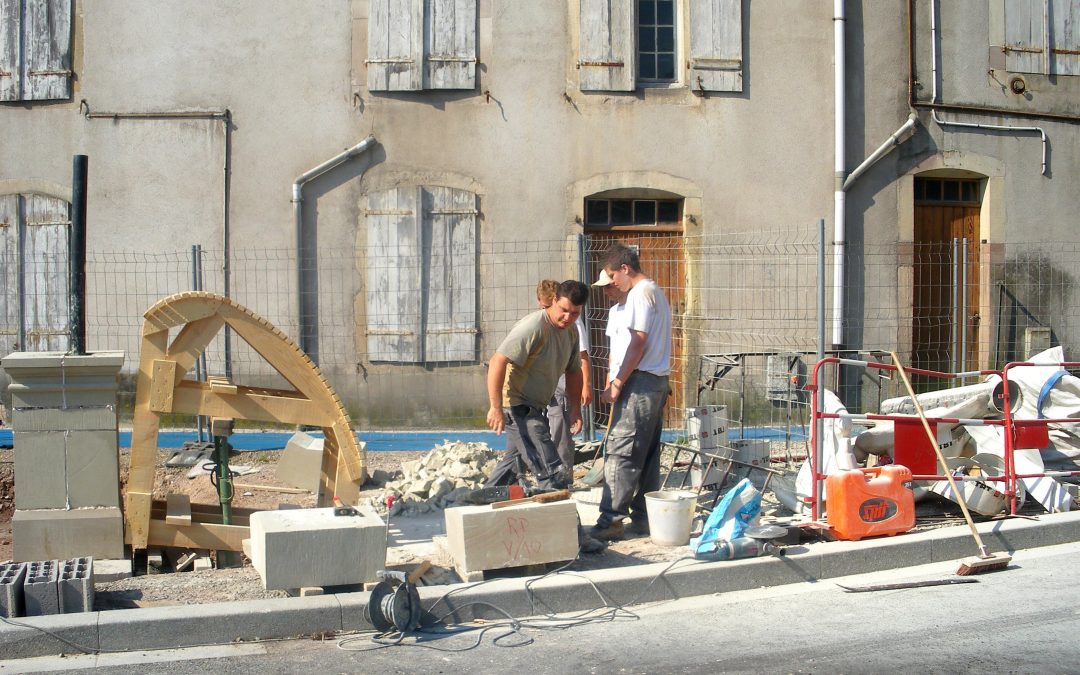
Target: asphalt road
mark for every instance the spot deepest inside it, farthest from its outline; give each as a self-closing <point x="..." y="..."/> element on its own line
<point x="1023" y="619"/>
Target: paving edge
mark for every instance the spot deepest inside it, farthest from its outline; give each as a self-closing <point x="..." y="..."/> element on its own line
<point x="222" y="623"/>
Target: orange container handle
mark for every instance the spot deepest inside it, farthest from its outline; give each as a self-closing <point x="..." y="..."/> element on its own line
<point x="872" y="472"/>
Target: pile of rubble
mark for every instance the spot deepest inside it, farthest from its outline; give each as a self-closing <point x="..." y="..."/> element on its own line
<point x="444" y="477"/>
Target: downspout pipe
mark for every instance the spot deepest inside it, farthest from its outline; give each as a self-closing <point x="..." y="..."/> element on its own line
<point x="839" y="149"/>
<point x="906" y="131"/>
<point x="306" y="319"/>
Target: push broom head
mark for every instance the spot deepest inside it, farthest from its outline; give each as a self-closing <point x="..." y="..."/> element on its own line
<point x="981" y="564"/>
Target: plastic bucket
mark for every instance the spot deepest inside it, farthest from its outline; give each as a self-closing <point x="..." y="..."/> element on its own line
<point x="671" y="515"/>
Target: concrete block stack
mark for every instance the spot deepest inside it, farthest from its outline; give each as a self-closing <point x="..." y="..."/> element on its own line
<point x="442" y="478"/>
<point x="67" y="479"/>
<point x="47" y="587"/>
<point x="12" y="577"/>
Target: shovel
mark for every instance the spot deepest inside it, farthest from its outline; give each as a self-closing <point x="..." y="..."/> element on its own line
<point x="595" y="476"/>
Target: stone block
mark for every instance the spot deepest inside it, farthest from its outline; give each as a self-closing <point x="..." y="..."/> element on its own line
<point x="12" y="576"/>
<point x="313" y="547"/>
<point x="93" y="472"/>
<point x="39" y="589"/>
<point x="300" y="465"/>
<point x="111" y="570"/>
<point x="58" y="419"/>
<point x="58" y="533"/>
<point x="75" y="585"/>
<point x="40" y="474"/>
<point x="482" y="538"/>
<point x="62" y="380"/>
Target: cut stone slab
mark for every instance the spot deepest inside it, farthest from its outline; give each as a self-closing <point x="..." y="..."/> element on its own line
<point x="93" y="472"/>
<point x="40" y="470"/>
<point x="313" y="547"/>
<point x="300" y="465"/>
<point x="481" y="538"/>
<point x="62" y="380"/>
<point x="51" y="534"/>
<point x="111" y="570"/>
<point x="57" y="419"/>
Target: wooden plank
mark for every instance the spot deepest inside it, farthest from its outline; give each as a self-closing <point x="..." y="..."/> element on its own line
<point x="419" y="571"/>
<point x="178" y="510"/>
<point x="198" y="535"/>
<point x="9" y="254"/>
<point x="716" y="45"/>
<point x="10" y="29"/>
<point x="161" y="385"/>
<point x="222" y="387"/>
<point x="144" y="431"/>
<point x="606" y="45"/>
<point x="180" y="309"/>
<point x="192" y="341"/>
<point x="271" y="488"/>
<point x="451" y="59"/>
<point x="197" y="398"/>
<point x="480" y="538"/>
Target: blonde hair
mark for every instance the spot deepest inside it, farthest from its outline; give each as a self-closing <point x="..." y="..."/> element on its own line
<point x="546" y="291"/>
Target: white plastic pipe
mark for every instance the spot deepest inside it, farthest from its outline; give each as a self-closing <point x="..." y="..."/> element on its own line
<point x="839" y="132"/>
<point x="906" y="131"/>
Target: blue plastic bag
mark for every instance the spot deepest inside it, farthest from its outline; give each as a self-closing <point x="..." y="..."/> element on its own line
<point x="730" y="518"/>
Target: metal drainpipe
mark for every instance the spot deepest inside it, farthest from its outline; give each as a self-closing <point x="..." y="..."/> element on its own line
<point x="306" y="319"/>
<point x="839" y="132"/>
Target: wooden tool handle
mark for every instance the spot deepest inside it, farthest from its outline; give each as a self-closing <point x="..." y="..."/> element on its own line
<point x="543" y="498"/>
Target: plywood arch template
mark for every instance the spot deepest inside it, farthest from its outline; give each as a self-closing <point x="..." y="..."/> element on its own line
<point x="161" y="388"/>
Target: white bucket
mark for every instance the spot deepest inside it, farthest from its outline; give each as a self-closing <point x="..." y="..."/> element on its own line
<point x="671" y="515"/>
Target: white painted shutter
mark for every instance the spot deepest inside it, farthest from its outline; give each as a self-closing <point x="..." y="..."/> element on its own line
<point x="450" y="251"/>
<point x="10" y="67"/>
<point x="1066" y="38"/>
<point x="45" y="270"/>
<point x="9" y="273"/>
<point x="1024" y="36"/>
<point x="393" y="276"/>
<point x="450" y="44"/>
<point x="716" y="45"/>
<point x="606" y="45"/>
<point x="395" y="45"/>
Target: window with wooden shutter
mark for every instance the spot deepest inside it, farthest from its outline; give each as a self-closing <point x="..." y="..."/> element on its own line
<point x="421" y="44"/>
<point x="9" y="273"/>
<point x="393" y="276"/>
<point x="716" y="45"/>
<point x="450" y="44"/>
<point x="421" y="275"/>
<point x="1042" y="36"/>
<point x="606" y="45"/>
<point x="35" y="50"/>
<point x="395" y="45"/>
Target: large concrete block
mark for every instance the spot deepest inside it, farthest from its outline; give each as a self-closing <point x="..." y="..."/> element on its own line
<point x="93" y="472"/>
<point x="61" y="380"/>
<point x="75" y="585"/>
<point x="39" y="589"/>
<point x="40" y="473"/>
<point x="59" y="419"/>
<point x="482" y="538"/>
<point x="301" y="463"/>
<point x="57" y="534"/>
<point x="313" y="547"/>
<point x="12" y="576"/>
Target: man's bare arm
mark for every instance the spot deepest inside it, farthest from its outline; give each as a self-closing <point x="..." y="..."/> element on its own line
<point x="495" y="379"/>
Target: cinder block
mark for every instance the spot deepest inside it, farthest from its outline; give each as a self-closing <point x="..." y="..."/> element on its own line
<point x="301" y="464"/>
<point x="61" y="380"/>
<point x="12" y="576"/>
<point x="482" y="538"/>
<point x="75" y="585"/>
<point x="40" y="474"/>
<point x="313" y="547"/>
<point x="93" y="472"/>
<point x="57" y="534"/>
<point x="39" y="589"/>
<point x="58" y="419"/>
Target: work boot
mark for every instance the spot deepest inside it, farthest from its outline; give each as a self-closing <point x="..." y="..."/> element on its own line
<point x="608" y="532"/>
<point x="637" y="528"/>
<point x="587" y="544"/>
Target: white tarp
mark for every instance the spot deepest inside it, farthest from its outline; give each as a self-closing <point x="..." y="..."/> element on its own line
<point x="837" y="450"/>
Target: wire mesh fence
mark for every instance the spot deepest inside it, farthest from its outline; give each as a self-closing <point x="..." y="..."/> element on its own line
<point x="404" y="336"/>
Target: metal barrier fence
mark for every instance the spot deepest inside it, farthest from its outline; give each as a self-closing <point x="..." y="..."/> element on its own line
<point x="404" y="333"/>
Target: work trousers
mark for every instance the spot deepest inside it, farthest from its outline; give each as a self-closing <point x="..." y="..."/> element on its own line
<point x="558" y="413"/>
<point x="632" y="451"/>
<point x="528" y="438"/>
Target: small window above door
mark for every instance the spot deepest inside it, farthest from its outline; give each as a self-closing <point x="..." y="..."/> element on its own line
<point x="633" y="214"/>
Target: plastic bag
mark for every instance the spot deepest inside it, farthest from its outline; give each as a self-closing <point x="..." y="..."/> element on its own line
<point x="735" y="512"/>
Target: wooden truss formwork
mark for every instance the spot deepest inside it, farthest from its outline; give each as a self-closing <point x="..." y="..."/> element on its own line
<point x="161" y="388"/>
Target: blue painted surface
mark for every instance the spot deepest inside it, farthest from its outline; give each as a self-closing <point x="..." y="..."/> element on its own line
<point x="378" y="441"/>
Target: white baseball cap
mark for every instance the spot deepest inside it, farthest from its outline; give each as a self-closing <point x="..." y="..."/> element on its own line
<point x="603" y="279"/>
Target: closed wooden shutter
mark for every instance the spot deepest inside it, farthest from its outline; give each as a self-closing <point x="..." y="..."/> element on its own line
<point x="393" y="276"/>
<point x="716" y="45"/>
<point x="450" y="44"/>
<point x="1031" y="48"/>
<point x="450" y="251"/>
<point x="45" y="270"/>
<point x="606" y="45"/>
<point x="9" y="273"/>
<point x="395" y="45"/>
<point x="10" y="65"/>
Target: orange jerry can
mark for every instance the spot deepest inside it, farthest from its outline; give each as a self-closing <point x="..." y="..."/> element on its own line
<point x="870" y="502"/>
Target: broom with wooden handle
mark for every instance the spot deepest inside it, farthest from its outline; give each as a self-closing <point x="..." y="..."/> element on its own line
<point x="985" y="561"/>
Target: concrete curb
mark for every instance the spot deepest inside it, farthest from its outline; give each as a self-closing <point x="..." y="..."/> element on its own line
<point x="222" y="623"/>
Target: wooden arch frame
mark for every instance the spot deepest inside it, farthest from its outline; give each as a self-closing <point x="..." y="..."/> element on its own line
<point x="161" y="388"/>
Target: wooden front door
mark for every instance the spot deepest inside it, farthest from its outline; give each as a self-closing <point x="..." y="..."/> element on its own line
<point x="946" y="275"/>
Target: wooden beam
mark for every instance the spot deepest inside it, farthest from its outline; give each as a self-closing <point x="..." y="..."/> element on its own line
<point x="162" y="382"/>
<point x="198" y="535"/>
<point x="178" y="510"/>
<point x="192" y="341"/>
<point x="198" y="398"/>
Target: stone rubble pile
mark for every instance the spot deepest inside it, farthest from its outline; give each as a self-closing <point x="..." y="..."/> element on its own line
<point x="442" y="478"/>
